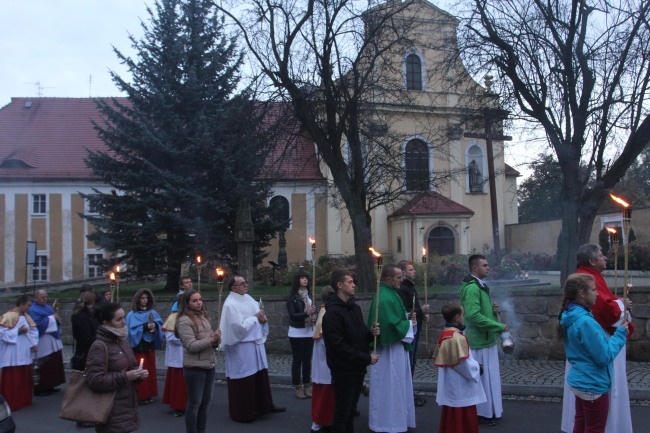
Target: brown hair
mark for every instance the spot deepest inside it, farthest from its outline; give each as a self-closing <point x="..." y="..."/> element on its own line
<point x="575" y="283"/>
<point x="184" y="311"/>
<point x="86" y="299"/>
<point x="135" y="302"/>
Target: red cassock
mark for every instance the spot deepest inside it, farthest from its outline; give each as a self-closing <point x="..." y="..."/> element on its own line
<point x="322" y="404"/>
<point x="16" y="386"/>
<point x="175" y="394"/>
<point x="148" y="388"/>
<point x="458" y="420"/>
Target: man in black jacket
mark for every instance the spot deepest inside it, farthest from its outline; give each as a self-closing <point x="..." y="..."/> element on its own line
<point x="347" y="345"/>
<point x="408" y="294"/>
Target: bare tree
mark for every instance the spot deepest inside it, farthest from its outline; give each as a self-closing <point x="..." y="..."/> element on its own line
<point x="334" y="62"/>
<point x="580" y="70"/>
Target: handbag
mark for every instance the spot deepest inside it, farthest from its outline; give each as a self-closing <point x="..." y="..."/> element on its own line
<point x="82" y="404"/>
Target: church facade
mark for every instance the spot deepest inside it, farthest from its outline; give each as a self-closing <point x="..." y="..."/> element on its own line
<point x="43" y="142"/>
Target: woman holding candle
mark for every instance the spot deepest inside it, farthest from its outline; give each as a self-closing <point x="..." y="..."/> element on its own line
<point x="301" y="315"/>
<point x="111" y="365"/>
<point x="590" y="351"/>
<point x="199" y="341"/>
<point x="145" y="336"/>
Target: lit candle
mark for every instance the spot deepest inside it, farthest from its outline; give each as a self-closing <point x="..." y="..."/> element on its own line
<point x="141" y="363"/>
<point x="312" y="241"/>
<point x="377" y="255"/>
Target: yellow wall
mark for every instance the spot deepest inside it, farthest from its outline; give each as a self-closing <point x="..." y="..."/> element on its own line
<point x="78" y="238"/>
<point x="21" y="236"/>
<point x="55" y="263"/>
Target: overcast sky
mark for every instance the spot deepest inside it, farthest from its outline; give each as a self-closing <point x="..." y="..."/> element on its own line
<point x="61" y="44"/>
<point x="63" y="48"/>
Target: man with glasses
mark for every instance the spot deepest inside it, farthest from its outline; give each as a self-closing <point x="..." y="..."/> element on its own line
<point x="392" y="407"/>
<point x="244" y="329"/>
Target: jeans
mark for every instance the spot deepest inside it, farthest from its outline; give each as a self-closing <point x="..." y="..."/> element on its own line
<point x="346" y="395"/>
<point x="591" y="416"/>
<point x="301" y="349"/>
<point x="200" y="384"/>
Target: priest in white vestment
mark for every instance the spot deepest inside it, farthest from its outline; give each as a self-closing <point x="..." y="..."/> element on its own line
<point x="244" y="329"/>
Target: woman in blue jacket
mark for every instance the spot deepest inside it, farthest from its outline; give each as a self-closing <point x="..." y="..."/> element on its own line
<point x="590" y="352"/>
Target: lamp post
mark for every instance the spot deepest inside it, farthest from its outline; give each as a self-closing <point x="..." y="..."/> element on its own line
<point x="613" y="240"/>
<point x="377" y="255"/>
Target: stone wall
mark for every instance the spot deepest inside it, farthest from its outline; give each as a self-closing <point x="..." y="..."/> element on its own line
<point x="531" y="315"/>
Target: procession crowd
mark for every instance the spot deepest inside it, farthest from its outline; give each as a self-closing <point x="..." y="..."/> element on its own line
<point x="334" y="351"/>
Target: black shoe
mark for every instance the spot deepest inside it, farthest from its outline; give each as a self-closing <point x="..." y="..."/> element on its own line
<point x="419" y="401"/>
<point x="487" y="421"/>
<point x="85" y="425"/>
<point x="365" y="390"/>
<point x="178" y="413"/>
<point x="278" y="409"/>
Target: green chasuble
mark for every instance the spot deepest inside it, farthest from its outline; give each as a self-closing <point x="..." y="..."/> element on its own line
<point x="393" y="322"/>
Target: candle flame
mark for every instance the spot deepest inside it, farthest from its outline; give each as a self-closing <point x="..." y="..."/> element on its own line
<point x="611" y="230"/>
<point x="117" y="268"/>
<point x="198" y="259"/>
<point x="112" y="276"/>
<point x="375" y="252"/>
<point x="312" y="240"/>
<point x="220" y="273"/>
<point x="424" y="251"/>
<point x="620" y="201"/>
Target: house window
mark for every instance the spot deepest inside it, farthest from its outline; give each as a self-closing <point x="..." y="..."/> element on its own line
<point x="39" y="270"/>
<point x="416" y="163"/>
<point x="39" y="204"/>
<point x="399" y="244"/>
<point x="279" y="211"/>
<point x="91" y="204"/>
<point x="413" y="72"/>
<point x="94" y="261"/>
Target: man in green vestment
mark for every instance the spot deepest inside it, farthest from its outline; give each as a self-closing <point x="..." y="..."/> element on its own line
<point x="391" y="388"/>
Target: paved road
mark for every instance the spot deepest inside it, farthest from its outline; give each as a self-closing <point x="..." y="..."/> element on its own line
<point x="541" y="415"/>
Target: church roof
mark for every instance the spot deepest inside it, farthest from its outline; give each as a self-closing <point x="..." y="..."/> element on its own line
<point x="509" y="171"/>
<point x="431" y="203"/>
<point x="48" y="138"/>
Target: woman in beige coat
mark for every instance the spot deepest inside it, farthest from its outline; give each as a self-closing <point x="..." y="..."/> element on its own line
<point x="199" y="341"/>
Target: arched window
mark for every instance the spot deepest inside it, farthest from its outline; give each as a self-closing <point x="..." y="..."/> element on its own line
<point x="475" y="170"/>
<point x="279" y="211"/>
<point x="442" y="241"/>
<point x="413" y="72"/>
<point x="416" y="164"/>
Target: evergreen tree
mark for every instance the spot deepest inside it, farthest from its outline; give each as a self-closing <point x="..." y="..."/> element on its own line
<point x="183" y="150"/>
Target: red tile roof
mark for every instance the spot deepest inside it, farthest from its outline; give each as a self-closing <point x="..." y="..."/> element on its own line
<point x="509" y="171"/>
<point x="432" y="203"/>
<point x="47" y="139"/>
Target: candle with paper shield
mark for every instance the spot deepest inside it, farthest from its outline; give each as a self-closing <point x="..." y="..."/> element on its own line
<point x="312" y="241"/>
<point x="198" y="272"/>
<point x="426" y="297"/>
<point x="220" y="276"/>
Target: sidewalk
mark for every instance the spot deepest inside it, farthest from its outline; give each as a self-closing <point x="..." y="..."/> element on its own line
<point x="519" y="378"/>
